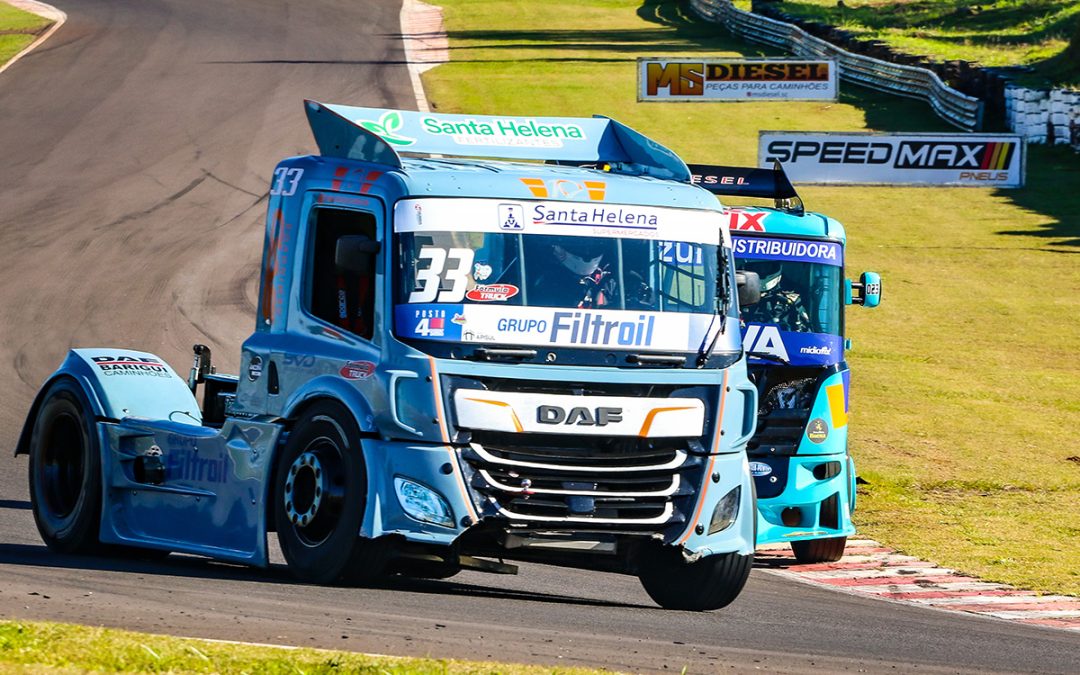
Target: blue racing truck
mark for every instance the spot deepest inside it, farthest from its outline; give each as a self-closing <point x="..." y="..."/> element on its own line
<point x="455" y="363"/>
<point x="794" y="336"/>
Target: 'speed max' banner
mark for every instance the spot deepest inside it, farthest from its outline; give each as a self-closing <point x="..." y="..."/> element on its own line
<point x="736" y="80"/>
<point x="969" y="160"/>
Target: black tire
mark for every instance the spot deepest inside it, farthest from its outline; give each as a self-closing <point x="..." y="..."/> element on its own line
<point x="65" y="471"/>
<point x="320" y="492"/>
<point x="708" y="583"/>
<point x="819" y="550"/>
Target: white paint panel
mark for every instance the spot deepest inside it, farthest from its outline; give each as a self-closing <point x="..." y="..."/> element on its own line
<point x="526" y="412"/>
<point x="572" y="219"/>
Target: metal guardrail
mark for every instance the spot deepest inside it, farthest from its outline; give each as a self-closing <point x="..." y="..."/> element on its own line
<point x="954" y="107"/>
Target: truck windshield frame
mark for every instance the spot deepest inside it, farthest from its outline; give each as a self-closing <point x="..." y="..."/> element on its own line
<point x="557" y="274"/>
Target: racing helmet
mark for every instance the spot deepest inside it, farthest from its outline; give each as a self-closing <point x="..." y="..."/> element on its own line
<point x="770" y="273"/>
<point x="579" y="255"/>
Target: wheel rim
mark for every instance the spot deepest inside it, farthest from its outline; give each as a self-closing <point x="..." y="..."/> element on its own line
<point x="315" y="491"/>
<point x="62" y="465"/>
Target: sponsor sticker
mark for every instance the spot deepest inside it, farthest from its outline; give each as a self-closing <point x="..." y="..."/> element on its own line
<point x="974" y="160"/>
<point x="736" y="80"/>
<point x="357" y="370"/>
<point x="481" y="271"/>
<point x="139" y="366"/>
<point x="565" y="218"/>
<point x="547" y="326"/>
<point x="511" y="217"/>
<point x="762" y="248"/>
<point x="798" y="349"/>
<point x="817" y="431"/>
<point x="561" y="188"/>
<point x="493" y="293"/>
<point x="760" y="469"/>
<point x="746" y="220"/>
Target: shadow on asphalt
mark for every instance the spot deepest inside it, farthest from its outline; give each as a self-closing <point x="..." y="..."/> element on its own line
<point x="20" y="504"/>
<point x="178" y="565"/>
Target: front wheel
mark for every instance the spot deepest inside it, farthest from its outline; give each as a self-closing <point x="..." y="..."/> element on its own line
<point x="320" y="492"/>
<point x="708" y="583"/>
<point x="65" y="471"/>
<point x="819" y="550"/>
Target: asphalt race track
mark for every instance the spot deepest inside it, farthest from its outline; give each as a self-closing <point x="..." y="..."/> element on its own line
<point x="135" y="151"/>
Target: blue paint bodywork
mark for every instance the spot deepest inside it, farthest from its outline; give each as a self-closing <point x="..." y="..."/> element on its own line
<point x="219" y="478"/>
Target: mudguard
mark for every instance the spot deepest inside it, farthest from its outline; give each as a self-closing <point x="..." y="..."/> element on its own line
<point x="121" y="383"/>
<point x="327" y="386"/>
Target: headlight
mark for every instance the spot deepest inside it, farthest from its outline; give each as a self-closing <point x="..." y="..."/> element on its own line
<point x="726" y="511"/>
<point x="423" y="503"/>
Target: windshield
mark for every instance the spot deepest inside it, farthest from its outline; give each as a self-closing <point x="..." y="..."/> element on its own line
<point x="544" y="274"/>
<point x="799" y="316"/>
<point x="557" y="271"/>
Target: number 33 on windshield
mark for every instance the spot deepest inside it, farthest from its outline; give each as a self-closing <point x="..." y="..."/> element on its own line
<point x="451" y="265"/>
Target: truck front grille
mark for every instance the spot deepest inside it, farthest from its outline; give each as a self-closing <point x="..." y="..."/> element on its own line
<point x="617" y="483"/>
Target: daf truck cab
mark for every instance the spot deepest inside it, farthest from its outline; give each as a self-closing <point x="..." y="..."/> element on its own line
<point x="455" y="363"/>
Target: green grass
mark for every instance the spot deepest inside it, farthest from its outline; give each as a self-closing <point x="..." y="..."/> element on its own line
<point x="17" y="30"/>
<point x="34" y="647"/>
<point x="1031" y="33"/>
<point x="966" y="385"/>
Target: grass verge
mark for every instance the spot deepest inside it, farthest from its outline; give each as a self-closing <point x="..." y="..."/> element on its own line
<point x="17" y="30"/>
<point x="1031" y="33"/>
<point x="27" y="646"/>
<point x="966" y="398"/>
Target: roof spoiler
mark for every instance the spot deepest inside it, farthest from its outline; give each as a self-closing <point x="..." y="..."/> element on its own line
<point x="381" y="135"/>
<point x="739" y="181"/>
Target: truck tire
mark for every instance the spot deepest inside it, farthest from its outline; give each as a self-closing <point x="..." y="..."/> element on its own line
<point x="708" y="583"/>
<point x="819" y="550"/>
<point x="65" y="471"/>
<point x="320" y="492"/>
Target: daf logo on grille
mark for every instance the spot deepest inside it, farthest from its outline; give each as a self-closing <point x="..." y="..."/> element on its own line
<point x="581" y="416"/>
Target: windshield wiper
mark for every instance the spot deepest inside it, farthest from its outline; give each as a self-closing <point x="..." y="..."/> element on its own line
<point x="765" y="356"/>
<point x="723" y="302"/>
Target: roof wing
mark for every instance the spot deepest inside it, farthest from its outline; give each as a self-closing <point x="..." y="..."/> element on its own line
<point x="740" y="181"/>
<point x="381" y="135"/>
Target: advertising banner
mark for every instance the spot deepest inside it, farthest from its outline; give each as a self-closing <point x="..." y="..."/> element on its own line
<point x="736" y="80"/>
<point x="794" y="250"/>
<point x="952" y="159"/>
<point x="549" y="326"/>
<point x="797" y="349"/>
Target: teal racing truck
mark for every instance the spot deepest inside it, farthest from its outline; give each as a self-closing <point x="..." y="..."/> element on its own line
<point x="455" y="363"/>
<point x="794" y="336"/>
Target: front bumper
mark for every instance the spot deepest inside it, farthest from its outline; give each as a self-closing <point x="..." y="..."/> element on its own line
<point x="463" y="481"/>
<point x="817" y="493"/>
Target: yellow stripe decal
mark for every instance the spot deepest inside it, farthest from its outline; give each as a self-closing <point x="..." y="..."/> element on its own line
<point x="835" y="392"/>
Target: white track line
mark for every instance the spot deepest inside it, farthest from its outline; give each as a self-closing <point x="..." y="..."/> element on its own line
<point x="41" y="9"/>
<point x="426" y="43"/>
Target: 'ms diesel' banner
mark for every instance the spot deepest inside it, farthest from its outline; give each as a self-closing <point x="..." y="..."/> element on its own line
<point x="974" y="160"/>
<point x="736" y="80"/>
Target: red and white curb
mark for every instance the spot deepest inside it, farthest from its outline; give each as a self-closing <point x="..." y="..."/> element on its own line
<point x="426" y="43"/>
<point x="872" y="570"/>
<point x="41" y="9"/>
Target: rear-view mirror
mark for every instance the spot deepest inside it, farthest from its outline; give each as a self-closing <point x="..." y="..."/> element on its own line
<point x="749" y="284"/>
<point x="355" y="253"/>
